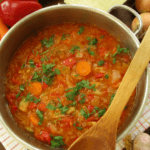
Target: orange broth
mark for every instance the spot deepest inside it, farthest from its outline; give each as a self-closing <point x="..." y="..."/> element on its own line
<point x="63" y="79"/>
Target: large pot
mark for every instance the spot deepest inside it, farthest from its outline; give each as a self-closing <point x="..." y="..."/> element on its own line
<point x="56" y="15"/>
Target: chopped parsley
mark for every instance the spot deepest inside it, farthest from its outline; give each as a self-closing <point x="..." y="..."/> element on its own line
<point x="93" y="41"/>
<point x="40" y="115"/>
<point x="101" y="62"/>
<point x="90" y="52"/>
<point x="63" y="37"/>
<point x="76" y="75"/>
<point x="23" y="66"/>
<point x="72" y="50"/>
<point x="57" y="141"/>
<point x="79" y="128"/>
<point x="51" y="107"/>
<point x="44" y="52"/>
<point x="114" y="60"/>
<point x="111" y="99"/>
<point x="48" y="43"/>
<point x="75" y="90"/>
<point x="32" y="65"/>
<point x="36" y="77"/>
<point x="22" y="87"/>
<point x="102" y="36"/>
<point x="48" y="80"/>
<point x="57" y="71"/>
<point x="106" y="76"/>
<point x="84" y="114"/>
<point x="119" y="50"/>
<point x="64" y="109"/>
<point x="101" y="112"/>
<point x="47" y="69"/>
<point x="82" y="101"/>
<point x="31" y="98"/>
<point x="81" y="30"/>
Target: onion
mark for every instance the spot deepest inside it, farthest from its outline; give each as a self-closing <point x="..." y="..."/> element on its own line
<point x="142" y="5"/>
<point x="142" y="142"/>
<point x="146" y="23"/>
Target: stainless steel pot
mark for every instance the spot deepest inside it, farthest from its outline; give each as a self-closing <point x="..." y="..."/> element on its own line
<point x="56" y="15"/>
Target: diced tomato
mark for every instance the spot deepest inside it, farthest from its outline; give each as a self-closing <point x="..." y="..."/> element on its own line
<point x="15" y="79"/>
<point x="105" y="92"/>
<point x="102" y="51"/>
<point x="69" y="62"/>
<point x="90" y="97"/>
<point x="90" y="119"/>
<point x="42" y="107"/>
<point x="32" y="105"/>
<point x="55" y="94"/>
<point x="38" y="64"/>
<point x="90" y="108"/>
<point x="126" y="58"/>
<point x="10" y="97"/>
<point x="99" y="75"/>
<point x="66" y="120"/>
<point x="37" y="59"/>
<point x="13" y="108"/>
<point x="44" y="86"/>
<point x="74" y="34"/>
<point x="65" y="126"/>
<point x="46" y="137"/>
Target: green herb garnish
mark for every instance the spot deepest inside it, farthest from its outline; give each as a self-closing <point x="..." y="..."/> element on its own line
<point x="22" y="87"/>
<point x="32" y="65"/>
<point x="63" y="37"/>
<point x="81" y="30"/>
<point x="93" y="41"/>
<point x="72" y="50"/>
<point x="106" y="76"/>
<point x="101" y="62"/>
<point x="84" y="114"/>
<point x="90" y="52"/>
<point x="31" y="98"/>
<point x="51" y="107"/>
<point x="75" y="90"/>
<point x="111" y="99"/>
<point x="36" y="77"/>
<point x="64" y="109"/>
<point x="57" y="141"/>
<point x="101" y="112"/>
<point x="48" y="43"/>
<point x="23" y="66"/>
<point x="45" y="52"/>
<point x="57" y="71"/>
<point x="40" y="115"/>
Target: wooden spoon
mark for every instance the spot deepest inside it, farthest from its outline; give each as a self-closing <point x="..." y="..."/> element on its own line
<point x="102" y="136"/>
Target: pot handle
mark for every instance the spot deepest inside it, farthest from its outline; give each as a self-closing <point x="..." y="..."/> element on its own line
<point x="133" y="12"/>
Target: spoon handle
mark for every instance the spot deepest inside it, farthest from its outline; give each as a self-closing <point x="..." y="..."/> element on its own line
<point x="131" y="79"/>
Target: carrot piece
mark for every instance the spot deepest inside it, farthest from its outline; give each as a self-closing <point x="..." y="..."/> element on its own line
<point x="83" y="68"/>
<point x="3" y="29"/>
<point x="34" y="119"/>
<point x="35" y="88"/>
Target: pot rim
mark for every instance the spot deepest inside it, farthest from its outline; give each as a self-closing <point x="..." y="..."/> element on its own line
<point x="88" y="8"/>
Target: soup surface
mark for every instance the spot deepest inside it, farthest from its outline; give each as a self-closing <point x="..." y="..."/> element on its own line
<point x="63" y="79"/>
